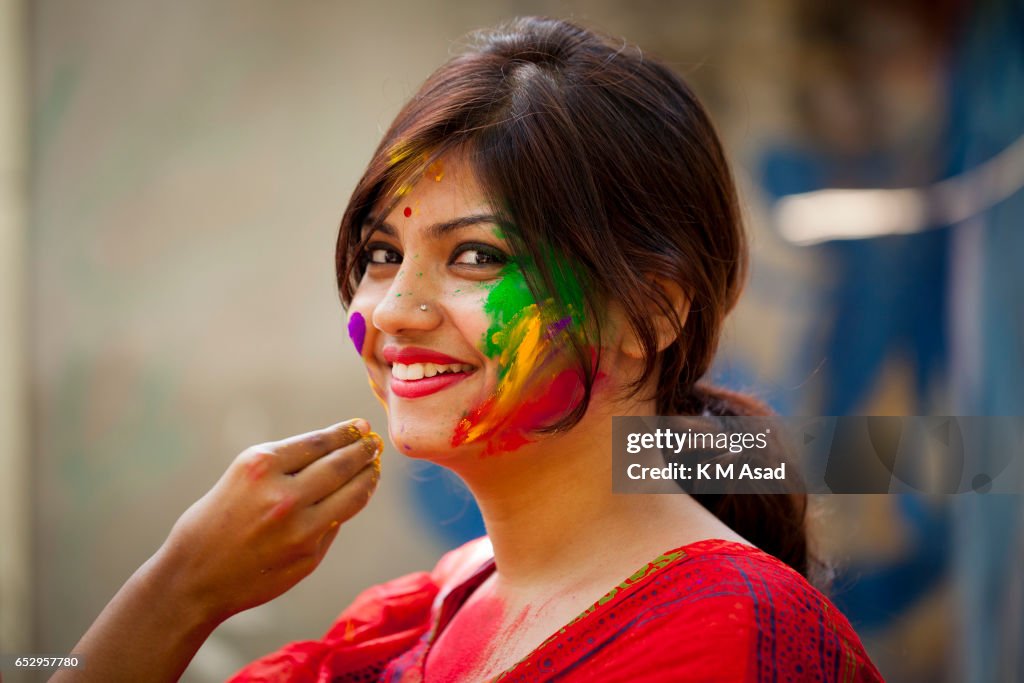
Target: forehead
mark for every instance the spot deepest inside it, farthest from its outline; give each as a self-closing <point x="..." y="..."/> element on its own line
<point x="448" y="188"/>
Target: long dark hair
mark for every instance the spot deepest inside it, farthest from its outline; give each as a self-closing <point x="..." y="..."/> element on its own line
<point x="594" y="152"/>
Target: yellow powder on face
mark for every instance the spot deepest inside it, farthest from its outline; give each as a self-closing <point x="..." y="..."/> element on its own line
<point x="435" y="171"/>
<point x="378" y="391"/>
<point x="538" y="385"/>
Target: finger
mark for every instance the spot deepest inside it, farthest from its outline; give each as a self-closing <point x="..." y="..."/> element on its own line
<point x="344" y="503"/>
<point x="296" y="452"/>
<point x="327" y="539"/>
<point x="328" y="474"/>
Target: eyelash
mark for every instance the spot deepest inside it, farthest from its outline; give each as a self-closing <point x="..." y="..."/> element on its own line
<point x="497" y="256"/>
<point x="392" y="257"/>
<point x="368" y="252"/>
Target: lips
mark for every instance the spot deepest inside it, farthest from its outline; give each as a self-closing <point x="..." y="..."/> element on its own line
<point x="417" y="372"/>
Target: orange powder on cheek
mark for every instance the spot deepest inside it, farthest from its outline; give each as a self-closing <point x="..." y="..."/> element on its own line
<point x="538" y="387"/>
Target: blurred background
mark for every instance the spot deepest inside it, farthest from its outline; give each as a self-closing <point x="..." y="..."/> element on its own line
<point x="172" y="179"/>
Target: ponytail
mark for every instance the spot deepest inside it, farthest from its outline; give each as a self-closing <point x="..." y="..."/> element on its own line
<point x="774" y="522"/>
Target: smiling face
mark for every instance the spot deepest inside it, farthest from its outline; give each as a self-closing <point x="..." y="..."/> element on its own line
<point x="436" y="250"/>
<point x="450" y="334"/>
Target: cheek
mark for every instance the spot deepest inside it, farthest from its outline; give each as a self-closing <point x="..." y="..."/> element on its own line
<point x="466" y="311"/>
<point x="360" y="314"/>
<point x="537" y="382"/>
<point x="357" y="330"/>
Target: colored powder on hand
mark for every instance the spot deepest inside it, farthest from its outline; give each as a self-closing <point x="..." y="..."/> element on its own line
<point x="257" y="468"/>
<point x="357" y="330"/>
<point x="282" y="508"/>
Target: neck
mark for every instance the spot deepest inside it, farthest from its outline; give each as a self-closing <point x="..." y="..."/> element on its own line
<point x="550" y="512"/>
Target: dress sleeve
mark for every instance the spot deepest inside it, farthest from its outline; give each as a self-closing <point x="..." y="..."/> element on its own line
<point x="383" y="622"/>
<point x="796" y="633"/>
<point x="758" y="620"/>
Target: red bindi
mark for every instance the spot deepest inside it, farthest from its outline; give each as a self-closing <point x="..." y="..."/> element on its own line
<point x="408" y="211"/>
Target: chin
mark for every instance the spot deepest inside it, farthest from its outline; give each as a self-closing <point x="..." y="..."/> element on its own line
<point x="424" y="427"/>
<point x="423" y="439"/>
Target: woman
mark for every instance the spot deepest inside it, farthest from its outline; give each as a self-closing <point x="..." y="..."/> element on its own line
<point x="547" y="236"/>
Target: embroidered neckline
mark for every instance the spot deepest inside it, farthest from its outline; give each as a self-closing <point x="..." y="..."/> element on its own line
<point x="460" y="594"/>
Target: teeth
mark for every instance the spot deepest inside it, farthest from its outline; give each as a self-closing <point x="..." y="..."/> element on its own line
<point x="415" y="371"/>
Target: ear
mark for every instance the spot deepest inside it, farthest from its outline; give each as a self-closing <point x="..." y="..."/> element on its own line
<point x="666" y="327"/>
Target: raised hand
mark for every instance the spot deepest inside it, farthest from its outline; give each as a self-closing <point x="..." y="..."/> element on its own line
<point x="271" y="517"/>
<point x="265" y="525"/>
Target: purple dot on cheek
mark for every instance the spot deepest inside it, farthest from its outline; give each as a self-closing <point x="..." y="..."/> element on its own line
<point x="357" y="330"/>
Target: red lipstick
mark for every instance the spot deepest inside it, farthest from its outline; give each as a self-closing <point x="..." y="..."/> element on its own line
<point x="416" y="388"/>
<point x="413" y="354"/>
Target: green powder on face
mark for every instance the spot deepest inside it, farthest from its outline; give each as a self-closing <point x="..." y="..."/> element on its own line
<point x="569" y="289"/>
<point x="507" y="299"/>
<point x="511" y="296"/>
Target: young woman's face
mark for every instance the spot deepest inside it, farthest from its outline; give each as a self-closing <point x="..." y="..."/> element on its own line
<point x="435" y="318"/>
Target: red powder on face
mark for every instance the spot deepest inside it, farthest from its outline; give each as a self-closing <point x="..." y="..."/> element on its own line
<point x="534" y="412"/>
<point x="407" y="212"/>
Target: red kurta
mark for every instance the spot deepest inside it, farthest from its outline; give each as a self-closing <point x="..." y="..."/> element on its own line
<point x="708" y="611"/>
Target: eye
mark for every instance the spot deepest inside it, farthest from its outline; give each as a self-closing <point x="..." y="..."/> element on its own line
<point x="472" y="254"/>
<point x="381" y="254"/>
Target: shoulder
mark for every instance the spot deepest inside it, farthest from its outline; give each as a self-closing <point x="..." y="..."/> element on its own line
<point x="714" y="611"/>
<point x="755" y="609"/>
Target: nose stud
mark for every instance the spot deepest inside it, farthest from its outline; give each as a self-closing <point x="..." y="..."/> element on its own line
<point x="423" y="307"/>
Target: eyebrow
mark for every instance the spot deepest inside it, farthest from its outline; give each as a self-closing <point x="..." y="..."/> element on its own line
<point x="437" y="230"/>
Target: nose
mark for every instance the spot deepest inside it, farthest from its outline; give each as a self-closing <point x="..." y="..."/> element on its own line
<point x="410" y="303"/>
